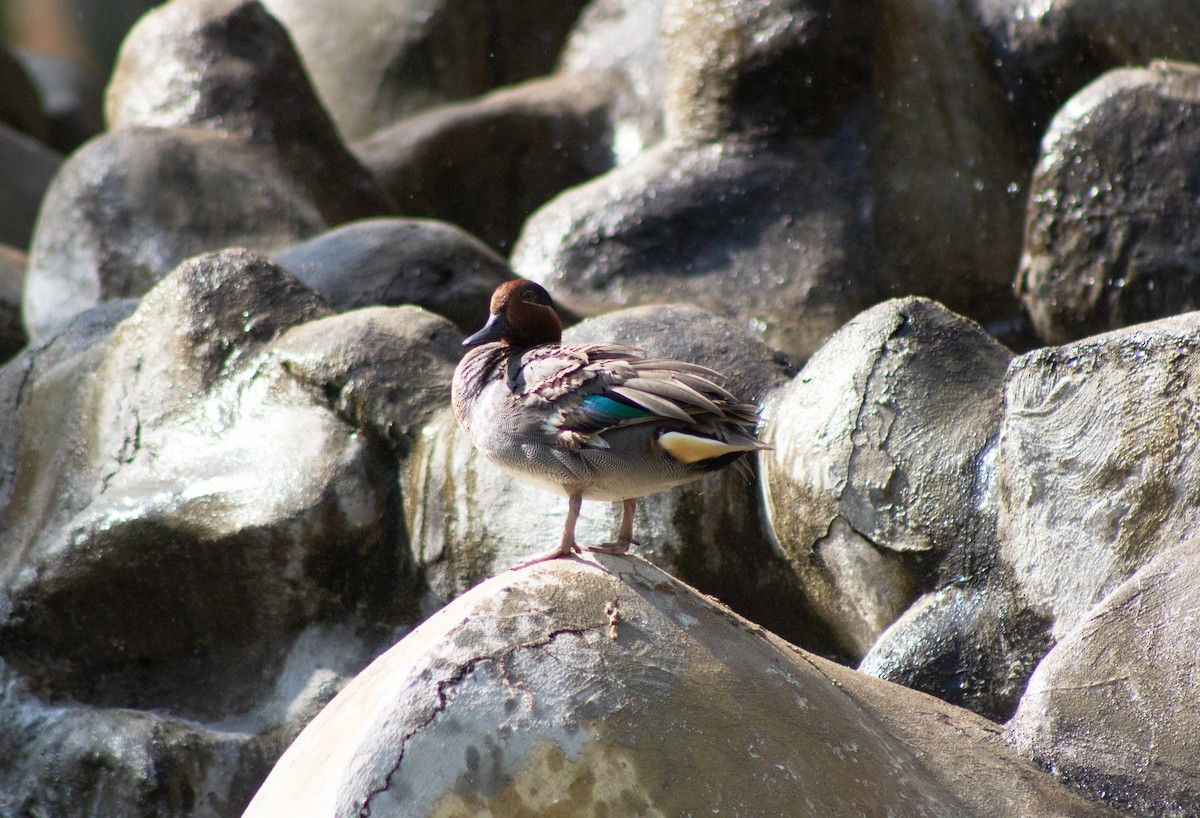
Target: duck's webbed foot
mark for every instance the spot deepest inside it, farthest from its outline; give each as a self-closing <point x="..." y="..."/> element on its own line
<point x="546" y="556"/>
<point x="624" y="536"/>
<point x="619" y="547"/>
<point x="567" y="546"/>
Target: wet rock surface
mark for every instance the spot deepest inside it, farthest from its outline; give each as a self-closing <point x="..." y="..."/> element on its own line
<point x="390" y="262"/>
<point x="229" y="478"/>
<point x="970" y="642"/>
<point x="1112" y="233"/>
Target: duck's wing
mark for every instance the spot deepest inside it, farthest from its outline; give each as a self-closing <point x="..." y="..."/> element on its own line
<point x="609" y="386"/>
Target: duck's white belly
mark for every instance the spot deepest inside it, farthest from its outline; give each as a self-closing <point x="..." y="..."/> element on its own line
<point x="634" y="467"/>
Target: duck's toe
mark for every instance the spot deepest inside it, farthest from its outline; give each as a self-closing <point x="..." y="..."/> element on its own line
<point x="619" y="547"/>
<point x="546" y="556"/>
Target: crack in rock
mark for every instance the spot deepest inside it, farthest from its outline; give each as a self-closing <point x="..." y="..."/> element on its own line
<point x="445" y="685"/>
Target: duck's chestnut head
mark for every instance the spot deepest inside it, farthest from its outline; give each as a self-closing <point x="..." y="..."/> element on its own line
<point x="522" y="315"/>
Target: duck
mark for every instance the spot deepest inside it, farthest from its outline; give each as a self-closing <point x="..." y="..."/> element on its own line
<point x="596" y="421"/>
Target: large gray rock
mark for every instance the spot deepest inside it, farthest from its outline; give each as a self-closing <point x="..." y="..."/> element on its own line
<point x="228" y="66"/>
<point x="218" y="141"/>
<point x="70" y="759"/>
<point x="375" y="62"/>
<point x="114" y="222"/>
<point x="819" y="157"/>
<point x="1012" y="501"/>
<point x="1042" y="53"/>
<point x="487" y="163"/>
<point x="390" y="262"/>
<point x="12" y="279"/>
<point x="1112" y="708"/>
<point x="767" y="65"/>
<point x="752" y="233"/>
<point x="204" y="535"/>
<point x="620" y="38"/>
<point x="1096" y="467"/>
<point x="1112" y="236"/>
<point x="877" y="477"/>
<point x="605" y="686"/>
<point x="972" y="642"/>
<point x="26" y="170"/>
<point x="950" y="170"/>
<point x="744" y="210"/>
<point x="72" y="96"/>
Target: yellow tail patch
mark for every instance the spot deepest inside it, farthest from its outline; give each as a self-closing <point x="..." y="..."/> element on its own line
<point x="693" y="449"/>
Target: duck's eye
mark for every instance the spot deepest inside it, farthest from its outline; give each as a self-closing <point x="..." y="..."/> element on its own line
<point x="529" y="295"/>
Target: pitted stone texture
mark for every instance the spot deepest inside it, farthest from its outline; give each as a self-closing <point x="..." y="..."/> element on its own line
<point x="877" y="475"/>
<point x="165" y="453"/>
<point x="1112" y="708"/>
<point x="65" y="757"/>
<point x="1112" y="232"/>
<point x="604" y="686"/>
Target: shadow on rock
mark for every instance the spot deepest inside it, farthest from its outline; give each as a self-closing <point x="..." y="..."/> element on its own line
<point x="202" y="536"/>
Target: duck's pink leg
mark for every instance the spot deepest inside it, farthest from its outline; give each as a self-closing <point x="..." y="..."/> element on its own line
<point x="624" y="535"/>
<point x="567" y="546"/>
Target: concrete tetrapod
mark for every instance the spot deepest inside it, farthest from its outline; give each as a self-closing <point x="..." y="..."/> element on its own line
<point x="603" y="686"/>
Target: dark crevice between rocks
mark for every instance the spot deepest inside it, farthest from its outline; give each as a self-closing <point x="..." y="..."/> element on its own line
<point x="748" y="576"/>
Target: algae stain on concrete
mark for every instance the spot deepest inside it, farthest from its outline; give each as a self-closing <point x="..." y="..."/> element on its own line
<point x="601" y="781"/>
